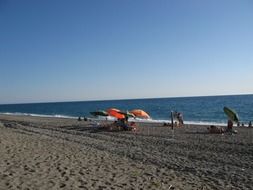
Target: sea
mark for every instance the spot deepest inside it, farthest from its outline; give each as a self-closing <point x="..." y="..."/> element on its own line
<point x="195" y="110"/>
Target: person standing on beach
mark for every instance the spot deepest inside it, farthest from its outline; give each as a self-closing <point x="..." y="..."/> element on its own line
<point x="126" y="118"/>
<point x="230" y="126"/>
<point x="180" y="119"/>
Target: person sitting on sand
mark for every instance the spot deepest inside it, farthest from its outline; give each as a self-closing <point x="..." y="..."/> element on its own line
<point x="123" y="124"/>
<point x="133" y="126"/>
<point x="166" y="124"/>
<point x="85" y="118"/>
<point x="215" y="130"/>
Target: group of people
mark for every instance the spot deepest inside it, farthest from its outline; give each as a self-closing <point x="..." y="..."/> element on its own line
<point x="119" y="124"/>
<point x="84" y="118"/>
<point x="242" y="124"/>
<point x="176" y="120"/>
<point x="125" y="125"/>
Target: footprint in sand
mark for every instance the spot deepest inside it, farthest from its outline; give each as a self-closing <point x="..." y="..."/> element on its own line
<point x="82" y="187"/>
<point x="8" y="185"/>
<point x="62" y="185"/>
<point x="63" y="174"/>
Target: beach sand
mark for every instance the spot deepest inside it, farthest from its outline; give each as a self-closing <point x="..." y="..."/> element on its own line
<point x="53" y="153"/>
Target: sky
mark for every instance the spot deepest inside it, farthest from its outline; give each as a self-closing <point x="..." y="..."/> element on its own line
<point x="62" y="50"/>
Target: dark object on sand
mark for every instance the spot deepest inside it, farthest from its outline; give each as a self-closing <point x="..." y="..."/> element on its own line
<point x="85" y="118"/>
<point x="79" y="119"/>
<point x="250" y="124"/>
<point x="166" y="124"/>
<point x="215" y="130"/>
<point x="119" y="125"/>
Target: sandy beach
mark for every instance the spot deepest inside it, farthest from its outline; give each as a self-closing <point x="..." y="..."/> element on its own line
<point x="53" y="153"/>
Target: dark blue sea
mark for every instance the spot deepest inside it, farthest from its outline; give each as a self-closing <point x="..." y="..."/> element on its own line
<point x="208" y="109"/>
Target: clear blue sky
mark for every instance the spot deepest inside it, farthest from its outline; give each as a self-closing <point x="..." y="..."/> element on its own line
<point x="57" y="50"/>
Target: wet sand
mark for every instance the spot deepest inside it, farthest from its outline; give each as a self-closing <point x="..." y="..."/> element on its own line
<point x="53" y="153"/>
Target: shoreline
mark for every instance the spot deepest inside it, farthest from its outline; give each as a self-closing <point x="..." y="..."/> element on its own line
<point x="159" y="121"/>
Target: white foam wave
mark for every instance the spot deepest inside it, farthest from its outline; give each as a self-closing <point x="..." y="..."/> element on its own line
<point x="185" y="122"/>
<point x="204" y="123"/>
<point x="38" y="115"/>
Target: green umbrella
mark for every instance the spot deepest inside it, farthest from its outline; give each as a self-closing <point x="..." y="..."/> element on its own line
<point x="232" y="115"/>
<point x="99" y="113"/>
<point x="126" y="113"/>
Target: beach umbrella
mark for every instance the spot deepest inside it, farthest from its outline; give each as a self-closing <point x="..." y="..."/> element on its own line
<point x="140" y="113"/>
<point x="115" y="113"/>
<point x="232" y="115"/>
<point x="126" y="113"/>
<point x="99" y="113"/>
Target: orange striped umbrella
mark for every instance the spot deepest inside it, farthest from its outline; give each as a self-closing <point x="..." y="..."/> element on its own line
<point x="140" y="113"/>
<point x="115" y="113"/>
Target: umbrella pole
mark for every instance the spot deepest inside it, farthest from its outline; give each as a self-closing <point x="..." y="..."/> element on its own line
<point x="172" y="122"/>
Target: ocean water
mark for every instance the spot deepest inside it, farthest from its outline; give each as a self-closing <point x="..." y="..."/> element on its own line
<point x="208" y="109"/>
